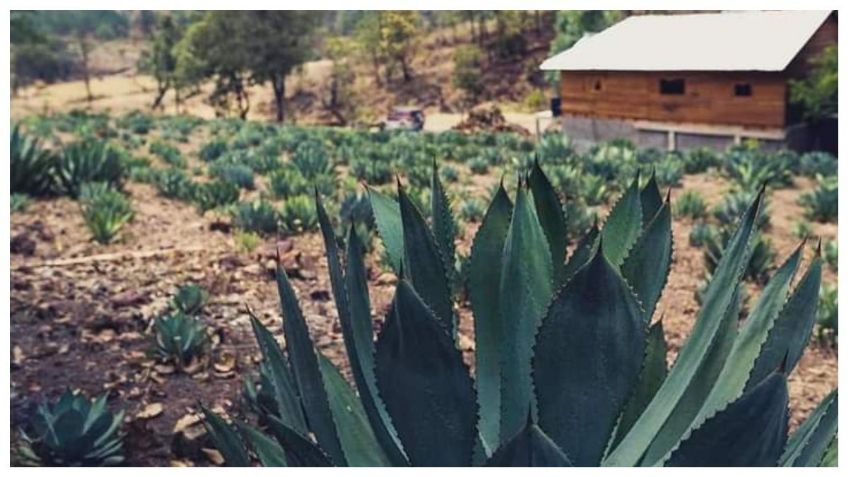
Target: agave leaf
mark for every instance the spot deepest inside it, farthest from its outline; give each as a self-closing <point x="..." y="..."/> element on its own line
<point x="425" y="384"/>
<point x="483" y="286"/>
<point x="791" y="331"/>
<point x="270" y="453"/>
<point x="831" y="455"/>
<point x="529" y="448"/>
<point x="730" y="383"/>
<point x="582" y="253"/>
<point x="357" y="439"/>
<point x="444" y="227"/>
<point x="306" y="372"/>
<point x="646" y="267"/>
<point x="623" y="225"/>
<point x="579" y="396"/>
<point x="552" y="218"/>
<point x="423" y="263"/>
<point x="750" y="432"/>
<point x="300" y="451"/>
<point x="653" y="373"/>
<point x="350" y="292"/>
<point x="387" y="216"/>
<point x="226" y="440"/>
<point x="651" y="200"/>
<point x="527" y="279"/>
<point x="807" y="446"/>
<point x="718" y="299"/>
<point x="693" y="398"/>
<point x="279" y="377"/>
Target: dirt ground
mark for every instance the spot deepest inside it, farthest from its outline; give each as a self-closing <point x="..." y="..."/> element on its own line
<point x="81" y="312"/>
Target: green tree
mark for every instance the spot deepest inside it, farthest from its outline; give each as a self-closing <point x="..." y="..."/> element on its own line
<point x="161" y="59"/>
<point x="215" y="47"/>
<point x="237" y="49"/>
<point x="818" y="93"/>
<point x="341" y="94"/>
<point x="278" y="41"/>
<point x="572" y="25"/>
<point x="399" y="36"/>
<point x="468" y="71"/>
<point x="367" y="36"/>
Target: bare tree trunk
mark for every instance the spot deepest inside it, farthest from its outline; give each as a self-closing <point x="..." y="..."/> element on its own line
<point x="160" y="94"/>
<point x="279" y="85"/>
<point x="404" y="66"/>
<point x="84" y="51"/>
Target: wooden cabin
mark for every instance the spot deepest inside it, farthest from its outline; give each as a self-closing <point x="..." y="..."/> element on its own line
<point x="681" y="81"/>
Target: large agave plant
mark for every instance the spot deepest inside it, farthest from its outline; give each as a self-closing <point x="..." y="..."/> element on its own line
<point x="89" y="160"/>
<point x="74" y="431"/>
<point x="31" y="166"/>
<point x="570" y="367"/>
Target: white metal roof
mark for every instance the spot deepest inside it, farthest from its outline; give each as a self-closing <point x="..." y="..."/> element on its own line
<point x="728" y="41"/>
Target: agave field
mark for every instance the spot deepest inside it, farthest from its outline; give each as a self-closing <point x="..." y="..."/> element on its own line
<point x="193" y="292"/>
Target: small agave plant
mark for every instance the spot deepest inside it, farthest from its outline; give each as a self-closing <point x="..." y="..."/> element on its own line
<point x="74" y="432"/>
<point x="190" y="299"/>
<point x="179" y="338"/>
<point x="570" y="364"/>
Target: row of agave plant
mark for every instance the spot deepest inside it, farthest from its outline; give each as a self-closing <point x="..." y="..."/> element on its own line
<point x="570" y="367"/>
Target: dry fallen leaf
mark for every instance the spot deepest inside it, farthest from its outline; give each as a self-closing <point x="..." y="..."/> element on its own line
<point x="185" y="422"/>
<point x="150" y="411"/>
<point x="18" y="356"/>
<point x="214" y="456"/>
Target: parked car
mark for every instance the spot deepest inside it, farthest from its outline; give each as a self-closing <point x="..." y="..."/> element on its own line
<point x="406" y="118"/>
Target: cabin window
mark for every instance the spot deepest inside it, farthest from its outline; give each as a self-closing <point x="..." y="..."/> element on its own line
<point x="672" y="86"/>
<point x="597" y="86"/>
<point x="742" y="89"/>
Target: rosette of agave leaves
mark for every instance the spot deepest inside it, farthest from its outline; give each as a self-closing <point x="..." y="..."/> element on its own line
<point x="570" y="362"/>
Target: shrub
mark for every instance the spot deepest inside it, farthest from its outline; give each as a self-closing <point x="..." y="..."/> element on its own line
<point x="236" y="174"/>
<point x="86" y="161"/>
<point x="260" y="217"/>
<point x="822" y="203"/>
<point x="568" y="339"/>
<point x="74" y="432"/>
<point x="247" y="241"/>
<point x="179" y="338"/>
<point x="691" y="204"/>
<point x="190" y="299"/>
<point x="212" y="195"/>
<point x="30" y="166"/>
<point x="536" y="100"/>
<point x="105" y="211"/>
<point x="298" y="214"/>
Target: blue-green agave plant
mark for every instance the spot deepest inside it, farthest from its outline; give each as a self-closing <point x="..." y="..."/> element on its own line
<point x="570" y="366"/>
